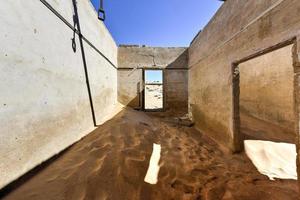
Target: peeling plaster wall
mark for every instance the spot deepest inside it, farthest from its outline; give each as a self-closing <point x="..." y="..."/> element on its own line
<point x="132" y="59"/>
<point x="239" y="29"/>
<point x="267" y="92"/>
<point x="44" y="105"/>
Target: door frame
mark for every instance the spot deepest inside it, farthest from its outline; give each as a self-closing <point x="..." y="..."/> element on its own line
<point x="238" y="139"/>
<point x="163" y="90"/>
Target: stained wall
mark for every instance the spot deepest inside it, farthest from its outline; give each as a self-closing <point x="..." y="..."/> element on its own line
<point x="239" y="29"/>
<point x="44" y="104"/>
<point x="132" y="59"/>
<point x="267" y="96"/>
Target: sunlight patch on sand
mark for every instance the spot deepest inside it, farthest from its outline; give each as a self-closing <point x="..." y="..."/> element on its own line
<point x="275" y="160"/>
<point x="153" y="169"/>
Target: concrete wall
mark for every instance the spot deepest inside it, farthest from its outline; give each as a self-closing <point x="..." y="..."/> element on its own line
<point x="239" y="29"/>
<point x="131" y="61"/>
<point x="44" y="104"/>
<point x="130" y="87"/>
<point x="176" y="89"/>
<point x="266" y="90"/>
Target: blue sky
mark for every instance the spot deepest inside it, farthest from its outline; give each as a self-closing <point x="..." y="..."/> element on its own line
<point x="153" y="76"/>
<point x="157" y="22"/>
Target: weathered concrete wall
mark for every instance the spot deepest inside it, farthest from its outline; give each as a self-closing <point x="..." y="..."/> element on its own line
<point x="176" y="89"/>
<point x="266" y="89"/>
<point x="130" y="87"/>
<point x="132" y="56"/>
<point x="44" y="104"/>
<point x="131" y="61"/>
<point x="239" y="29"/>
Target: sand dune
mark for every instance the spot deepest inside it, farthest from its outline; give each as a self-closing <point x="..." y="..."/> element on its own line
<point x="111" y="163"/>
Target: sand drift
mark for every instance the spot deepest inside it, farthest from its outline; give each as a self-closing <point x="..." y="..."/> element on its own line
<point x="112" y="161"/>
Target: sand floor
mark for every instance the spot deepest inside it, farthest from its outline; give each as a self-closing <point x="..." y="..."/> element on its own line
<point x="254" y="128"/>
<point x="153" y="97"/>
<point x="112" y="161"/>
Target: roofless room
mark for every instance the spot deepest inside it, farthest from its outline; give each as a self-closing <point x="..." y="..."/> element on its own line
<point x="149" y="100"/>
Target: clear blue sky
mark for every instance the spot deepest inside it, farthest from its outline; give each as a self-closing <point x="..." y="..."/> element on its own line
<point x="153" y="76"/>
<point x="157" y="22"/>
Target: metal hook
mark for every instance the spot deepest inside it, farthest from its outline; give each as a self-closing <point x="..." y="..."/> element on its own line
<point x="73" y="44"/>
<point x="101" y="12"/>
<point x="74" y="34"/>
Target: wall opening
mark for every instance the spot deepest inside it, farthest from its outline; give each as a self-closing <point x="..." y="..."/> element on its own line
<point x="264" y="111"/>
<point x="153" y="90"/>
<point x="267" y="97"/>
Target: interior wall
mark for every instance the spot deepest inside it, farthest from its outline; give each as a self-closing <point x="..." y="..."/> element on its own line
<point x="44" y="104"/>
<point x="267" y="95"/>
<point x="176" y="89"/>
<point x="130" y="87"/>
<point x="132" y="59"/>
<point x="239" y="29"/>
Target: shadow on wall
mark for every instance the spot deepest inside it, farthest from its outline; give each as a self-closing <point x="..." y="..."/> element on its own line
<point x="77" y="24"/>
<point x="267" y="97"/>
<point x="181" y="61"/>
<point x="26" y="177"/>
<point x="135" y="102"/>
<point x="176" y="83"/>
<point x="175" y="79"/>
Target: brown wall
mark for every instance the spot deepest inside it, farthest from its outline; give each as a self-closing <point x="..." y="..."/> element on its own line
<point x="174" y="62"/>
<point x="239" y="29"/>
<point x="266" y="93"/>
<point x="130" y="86"/>
<point x="176" y="89"/>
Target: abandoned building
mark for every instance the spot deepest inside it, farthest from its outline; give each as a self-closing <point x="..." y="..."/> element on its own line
<point x="83" y="118"/>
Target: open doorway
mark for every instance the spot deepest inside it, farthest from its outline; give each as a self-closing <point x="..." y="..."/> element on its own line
<point x="267" y="97"/>
<point x="153" y="90"/>
<point x="264" y="111"/>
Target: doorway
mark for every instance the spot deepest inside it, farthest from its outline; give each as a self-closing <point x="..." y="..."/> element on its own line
<point x="267" y="97"/>
<point x="153" y="90"/>
<point x="264" y="114"/>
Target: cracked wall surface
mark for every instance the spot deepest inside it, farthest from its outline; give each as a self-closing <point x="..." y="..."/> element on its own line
<point x="132" y="59"/>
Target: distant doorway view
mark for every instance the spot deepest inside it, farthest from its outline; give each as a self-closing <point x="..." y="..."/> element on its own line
<point x="153" y="98"/>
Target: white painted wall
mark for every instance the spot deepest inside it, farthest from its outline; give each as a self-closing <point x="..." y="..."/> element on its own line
<point x="44" y="104"/>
